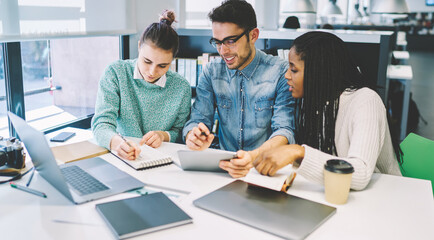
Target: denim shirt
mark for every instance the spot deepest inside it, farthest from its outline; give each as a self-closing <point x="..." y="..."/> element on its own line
<point x="253" y="104"/>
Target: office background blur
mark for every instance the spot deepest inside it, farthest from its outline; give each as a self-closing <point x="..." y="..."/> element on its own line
<point x="53" y="52"/>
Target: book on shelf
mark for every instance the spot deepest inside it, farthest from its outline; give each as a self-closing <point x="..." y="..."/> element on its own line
<point x="77" y="151"/>
<point x="191" y="68"/>
<point x="181" y="66"/>
<point x="199" y="67"/>
<point x="139" y="215"/>
<point x="280" y="53"/>
<point x="193" y="72"/>
<point x="173" y="65"/>
<point x="205" y="58"/>
<point x="149" y="157"/>
<point x="283" y="53"/>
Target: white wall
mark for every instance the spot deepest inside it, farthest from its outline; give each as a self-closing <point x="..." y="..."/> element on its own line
<point x="419" y="6"/>
<point x="147" y="12"/>
<point x="36" y="19"/>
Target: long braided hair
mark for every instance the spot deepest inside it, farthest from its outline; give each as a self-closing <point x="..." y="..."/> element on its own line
<point x="329" y="70"/>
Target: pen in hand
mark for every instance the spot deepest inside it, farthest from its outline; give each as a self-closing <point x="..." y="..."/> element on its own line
<point x="125" y="140"/>
<point x="29" y="190"/>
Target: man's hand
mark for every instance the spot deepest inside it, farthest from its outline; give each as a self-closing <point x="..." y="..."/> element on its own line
<point x="238" y="167"/>
<point x="199" y="138"/>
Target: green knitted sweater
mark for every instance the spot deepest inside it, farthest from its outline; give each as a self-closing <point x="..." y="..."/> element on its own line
<point x="134" y="107"/>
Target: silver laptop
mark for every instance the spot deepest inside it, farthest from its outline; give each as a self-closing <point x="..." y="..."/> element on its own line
<point x="79" y="181"/>
<point x="274" y="212"/>
<point x="203" y="160"/>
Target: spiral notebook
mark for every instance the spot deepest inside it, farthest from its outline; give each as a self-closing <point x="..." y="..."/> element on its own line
<point x="149" y="158"/>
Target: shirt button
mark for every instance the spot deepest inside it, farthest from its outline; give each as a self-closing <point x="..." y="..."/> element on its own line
<point x="241" y="129"/>
<point x="242" y="109"/>
<point x="241" y="89"/>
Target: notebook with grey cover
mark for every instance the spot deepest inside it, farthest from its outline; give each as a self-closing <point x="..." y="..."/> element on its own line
<point x="139" y="215"/>
<point x="274" y="212"/>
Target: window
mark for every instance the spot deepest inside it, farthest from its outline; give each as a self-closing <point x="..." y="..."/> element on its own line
<point x="4" y="131"/>
<point x="60" y="74"/>
<point x="60" y="78"/>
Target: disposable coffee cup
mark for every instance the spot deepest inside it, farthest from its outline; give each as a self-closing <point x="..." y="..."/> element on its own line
<point x="337" y="180"/>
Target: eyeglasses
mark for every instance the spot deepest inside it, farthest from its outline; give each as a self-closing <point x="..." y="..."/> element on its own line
<point x="228" y="42"/>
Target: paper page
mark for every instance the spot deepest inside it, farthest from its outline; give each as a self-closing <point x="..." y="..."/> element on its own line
<point x="148" y="154"/>
<point x="275" y="182"/>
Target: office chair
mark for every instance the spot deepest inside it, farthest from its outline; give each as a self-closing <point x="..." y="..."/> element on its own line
<point x="418" y="158"/>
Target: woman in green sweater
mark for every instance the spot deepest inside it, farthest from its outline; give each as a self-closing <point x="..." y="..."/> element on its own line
<point x="140" y="97"/>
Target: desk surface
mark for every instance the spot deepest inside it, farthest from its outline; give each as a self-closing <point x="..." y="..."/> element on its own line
<point x="401" y="54"/>
<point x="389" y="208"/>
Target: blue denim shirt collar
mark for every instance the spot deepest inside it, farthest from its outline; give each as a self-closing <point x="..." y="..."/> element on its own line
<point x="249" y="70"/>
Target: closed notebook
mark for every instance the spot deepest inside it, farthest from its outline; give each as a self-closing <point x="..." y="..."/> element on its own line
<point x="139" y="215"/>
<point x="77" y="151"/>
<point x="149" y="158"/>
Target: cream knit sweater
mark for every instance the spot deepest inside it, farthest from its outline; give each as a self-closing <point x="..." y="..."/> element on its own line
<point x="362" y="138"/>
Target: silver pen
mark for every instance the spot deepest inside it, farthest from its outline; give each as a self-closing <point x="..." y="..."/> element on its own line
<point x="125" y="140"/>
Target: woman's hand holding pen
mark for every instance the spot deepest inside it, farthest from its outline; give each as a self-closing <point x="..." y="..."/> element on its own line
<point x="124" y="148"/>
<point x="199" y="138"/>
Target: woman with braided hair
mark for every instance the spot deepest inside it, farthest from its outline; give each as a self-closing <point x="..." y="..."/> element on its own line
<point x="337" y="115"/>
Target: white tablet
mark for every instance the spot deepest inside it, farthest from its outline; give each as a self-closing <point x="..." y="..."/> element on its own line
<point x="207" y="160"/>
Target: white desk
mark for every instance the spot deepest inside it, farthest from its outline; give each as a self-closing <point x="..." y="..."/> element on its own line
<point x="390" y="208"/>
<point x="401" y="56"/>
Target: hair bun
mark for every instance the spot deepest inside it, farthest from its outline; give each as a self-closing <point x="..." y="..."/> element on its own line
<point x="168" y="17"/>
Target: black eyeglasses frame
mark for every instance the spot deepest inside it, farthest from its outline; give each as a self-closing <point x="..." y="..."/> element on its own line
<point x="217" y="43"/>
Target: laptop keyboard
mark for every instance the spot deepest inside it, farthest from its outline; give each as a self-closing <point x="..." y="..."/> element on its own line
<point x="82" y="181"/>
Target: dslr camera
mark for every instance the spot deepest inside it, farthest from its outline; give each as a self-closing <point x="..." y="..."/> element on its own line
<point x="11" y="153"/>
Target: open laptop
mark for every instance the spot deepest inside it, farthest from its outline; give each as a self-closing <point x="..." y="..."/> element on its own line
<point x="79" y="181"/>
<point x="274" y="212"/>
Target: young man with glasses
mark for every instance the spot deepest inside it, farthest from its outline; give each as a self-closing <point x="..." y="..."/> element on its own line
<point x="248" y="88"/>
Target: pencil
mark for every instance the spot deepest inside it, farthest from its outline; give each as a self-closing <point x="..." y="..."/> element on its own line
<point x="29" y="190"/>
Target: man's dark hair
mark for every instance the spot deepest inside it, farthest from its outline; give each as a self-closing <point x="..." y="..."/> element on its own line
<point x="329" y="70"/>
<point x="239" y="12"/>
